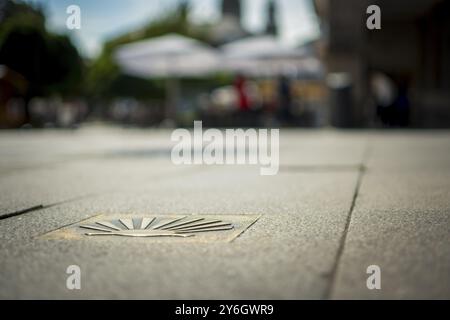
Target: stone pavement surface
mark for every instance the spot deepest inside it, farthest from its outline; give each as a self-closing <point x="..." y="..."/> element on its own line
<point x="343" y="200"/>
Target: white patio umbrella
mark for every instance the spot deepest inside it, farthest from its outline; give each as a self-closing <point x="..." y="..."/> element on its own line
<point x="171" y="56"/>
<point x="267" y="56"/>
<point x="260" y="47"/>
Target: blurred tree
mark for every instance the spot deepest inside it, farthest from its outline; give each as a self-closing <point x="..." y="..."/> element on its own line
<point x="104" y="79"/>
<point x="49" y="62"/>
<point x="64" y="67"/>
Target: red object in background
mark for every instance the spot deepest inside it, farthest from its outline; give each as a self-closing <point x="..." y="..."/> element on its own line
<point x="244" y="103"/>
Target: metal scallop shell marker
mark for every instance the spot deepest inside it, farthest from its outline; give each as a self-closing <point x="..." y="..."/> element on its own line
<point x="156" y="228"/>
<point x="147" y="227"/>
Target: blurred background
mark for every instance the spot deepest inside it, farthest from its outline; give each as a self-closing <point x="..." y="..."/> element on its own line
<point x="250" y="63"/>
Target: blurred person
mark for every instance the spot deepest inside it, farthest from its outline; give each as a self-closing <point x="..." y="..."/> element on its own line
<point x="243" y="99"/>
<point x="285" y="99"/>
<point x="384" y="92"/>
<point x="243" y="116"/>
<point x="401" y="106"/>
<point x="391" y="100"/>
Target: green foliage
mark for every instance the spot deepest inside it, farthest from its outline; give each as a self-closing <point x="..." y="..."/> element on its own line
<point x="65" y="67"/>
<point x="49" y="62"/>
<point x="101" y="74"/>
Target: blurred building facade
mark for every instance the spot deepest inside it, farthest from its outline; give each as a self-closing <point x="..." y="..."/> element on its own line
<point x="272" y="25"/>
<point x="230" y="27"/>
<point x="412" y="48"/>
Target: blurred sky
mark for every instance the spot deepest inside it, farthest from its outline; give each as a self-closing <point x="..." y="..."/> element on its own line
<point x="104" y="19"/>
